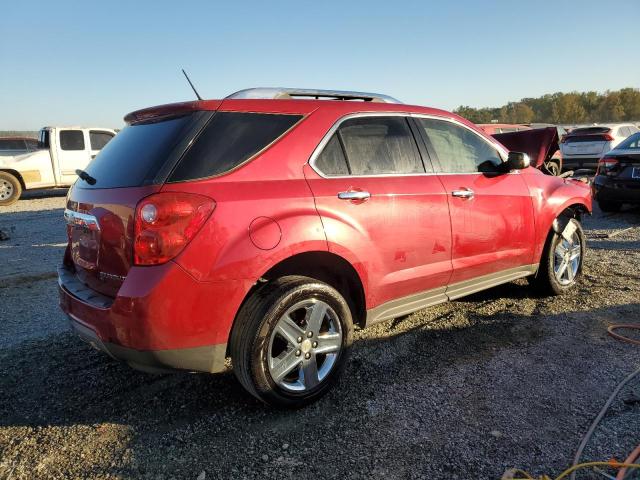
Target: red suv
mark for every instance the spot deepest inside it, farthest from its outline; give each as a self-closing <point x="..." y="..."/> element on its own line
<point x="266" y="226"/>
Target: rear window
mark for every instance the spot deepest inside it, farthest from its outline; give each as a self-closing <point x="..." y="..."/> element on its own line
<point x="229" y="140"/>
<point x="99" y="139"/>
<point x="631" y="143"/>
<point x="138" y="152"/>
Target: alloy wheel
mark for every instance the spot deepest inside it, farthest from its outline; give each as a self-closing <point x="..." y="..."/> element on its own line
<point x="304" y="345"/>
<point x="566" y="259"/>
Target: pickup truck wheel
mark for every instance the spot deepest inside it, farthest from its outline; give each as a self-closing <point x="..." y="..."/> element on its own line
<point x="291" y="340"/>
<point x="10" y="189"/>
<point x="561" y="262"/>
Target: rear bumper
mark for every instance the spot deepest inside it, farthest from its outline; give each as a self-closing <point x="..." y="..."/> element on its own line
<point x="162" y="318"/>
<point x="611" y="191"/>
<point x="575" y="163"/>
<point x="200" y="359"/>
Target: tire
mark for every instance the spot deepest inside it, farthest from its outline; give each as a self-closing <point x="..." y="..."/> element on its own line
<point x="10" y="189"/>
<point x="552" y="168"/>
<point x="606" y="206"/>
<point x="547" y="280"/>
<point x="271" y="334"/>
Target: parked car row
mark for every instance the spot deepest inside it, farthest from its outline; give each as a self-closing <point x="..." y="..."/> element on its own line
<point x="50" y="161"/>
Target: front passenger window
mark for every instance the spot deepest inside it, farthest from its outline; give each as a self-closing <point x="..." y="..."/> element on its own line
<point x="459" y="150"/>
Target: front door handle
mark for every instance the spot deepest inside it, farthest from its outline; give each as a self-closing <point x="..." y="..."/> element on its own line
<point x="354" y="195"/>
<point x="466" y="193"/>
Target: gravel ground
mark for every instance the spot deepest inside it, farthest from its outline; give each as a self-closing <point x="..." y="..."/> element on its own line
<point x="463" y="390"/>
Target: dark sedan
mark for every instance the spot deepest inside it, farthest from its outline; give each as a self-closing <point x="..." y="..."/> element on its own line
<point x="617" y="180"/>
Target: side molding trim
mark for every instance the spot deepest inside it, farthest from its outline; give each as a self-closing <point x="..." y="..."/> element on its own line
<point x="418" y="301"/>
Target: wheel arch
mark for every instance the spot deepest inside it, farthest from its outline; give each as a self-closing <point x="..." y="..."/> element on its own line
<point x="326" y="267"/>
<point x="16" y="174"/>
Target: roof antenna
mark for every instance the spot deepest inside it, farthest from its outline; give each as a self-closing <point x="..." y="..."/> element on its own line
<point x="192" y="87"/>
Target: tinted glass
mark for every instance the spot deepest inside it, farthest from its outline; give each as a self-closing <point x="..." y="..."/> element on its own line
<point x="332" y="161"/>
<point x="32" y="144"/>
<point x="136" y="154"/>
<point x="43" y="138"/>
<point x="380" y="145"/>
<point x="72" y="140"/>
<point x="632" y="142"/>
<point x="459" y="150"/>
<point x="12" y="144"/>
<point x="230" y="139"/>
<point x="99" y="139"/>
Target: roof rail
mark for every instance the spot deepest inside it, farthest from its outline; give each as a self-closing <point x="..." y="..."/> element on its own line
<point x="292" y="93"/>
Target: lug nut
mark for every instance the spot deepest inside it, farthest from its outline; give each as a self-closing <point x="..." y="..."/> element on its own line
<point x="307" y="356"/>
<point x="299" y="339"/>
<point x="309" y="334"/>
<point x="298" y="352"/>
<point x="315" y="344"/>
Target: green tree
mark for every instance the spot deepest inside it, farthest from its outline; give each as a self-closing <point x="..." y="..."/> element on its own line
<point x="573" y="107"/>
<point x="611" y="108"/>
<point x="567" y="108"/>
<point x="516" y="112"/>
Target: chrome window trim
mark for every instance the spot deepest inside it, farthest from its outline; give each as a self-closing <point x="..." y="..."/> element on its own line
<point x="316" y="152"/>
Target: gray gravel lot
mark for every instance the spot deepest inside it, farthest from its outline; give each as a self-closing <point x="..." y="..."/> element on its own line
<point x="463" y="390"/>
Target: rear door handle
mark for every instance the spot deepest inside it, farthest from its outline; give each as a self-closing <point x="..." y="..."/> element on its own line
<point x="466" y="193"/>
<point x="354" y="195"/>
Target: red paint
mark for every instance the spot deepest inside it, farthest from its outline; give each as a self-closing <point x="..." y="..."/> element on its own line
<point x="409" y="236"/>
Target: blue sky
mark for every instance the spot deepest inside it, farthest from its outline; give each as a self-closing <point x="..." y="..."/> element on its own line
<point x="70" y="62"/>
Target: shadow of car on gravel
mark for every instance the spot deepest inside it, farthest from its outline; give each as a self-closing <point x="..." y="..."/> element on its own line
<point x="430" y="380"/>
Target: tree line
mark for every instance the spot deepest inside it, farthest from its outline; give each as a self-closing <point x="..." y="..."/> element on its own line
<point x="562" y="108"/>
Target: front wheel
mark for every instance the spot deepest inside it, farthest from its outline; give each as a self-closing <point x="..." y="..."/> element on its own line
<point x="10" y="189"/>
<point x="561" y="262"/>
<point x="291" y="340"/>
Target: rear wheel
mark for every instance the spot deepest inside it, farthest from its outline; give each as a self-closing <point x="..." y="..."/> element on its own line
<point x="608" y="206"/>
<point x="561" y="262"/>
<point x="291" y="340"/>
<point x="10" y="189"/>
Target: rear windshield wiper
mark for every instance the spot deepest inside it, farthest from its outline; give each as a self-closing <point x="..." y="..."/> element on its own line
<point x="86" y="177"/>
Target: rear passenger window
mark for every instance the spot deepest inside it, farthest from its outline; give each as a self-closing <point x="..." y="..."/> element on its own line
<point x="229" y="140"/>
<point x="380" y="145"/>
<point x="99" y="139"/>
<point x="459" y="150"/>
<point x="332" y="161"/>
<point x="71" y="140"/>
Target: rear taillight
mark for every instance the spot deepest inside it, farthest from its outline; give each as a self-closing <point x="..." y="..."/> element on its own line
<point x="607" y="166"/>
<point x="165" y="223"/>
<point x="608" y="137"/>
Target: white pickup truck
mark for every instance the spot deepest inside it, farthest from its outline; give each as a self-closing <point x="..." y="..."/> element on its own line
<point x="62" y="151"/>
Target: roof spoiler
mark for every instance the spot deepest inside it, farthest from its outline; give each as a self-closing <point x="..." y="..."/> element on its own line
<point x="293" y="93"/>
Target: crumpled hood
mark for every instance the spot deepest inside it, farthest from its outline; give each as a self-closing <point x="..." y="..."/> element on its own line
<point x="540" y="144"/>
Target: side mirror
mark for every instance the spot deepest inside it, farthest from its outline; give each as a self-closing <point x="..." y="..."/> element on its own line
<point x="518" y="161"/>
